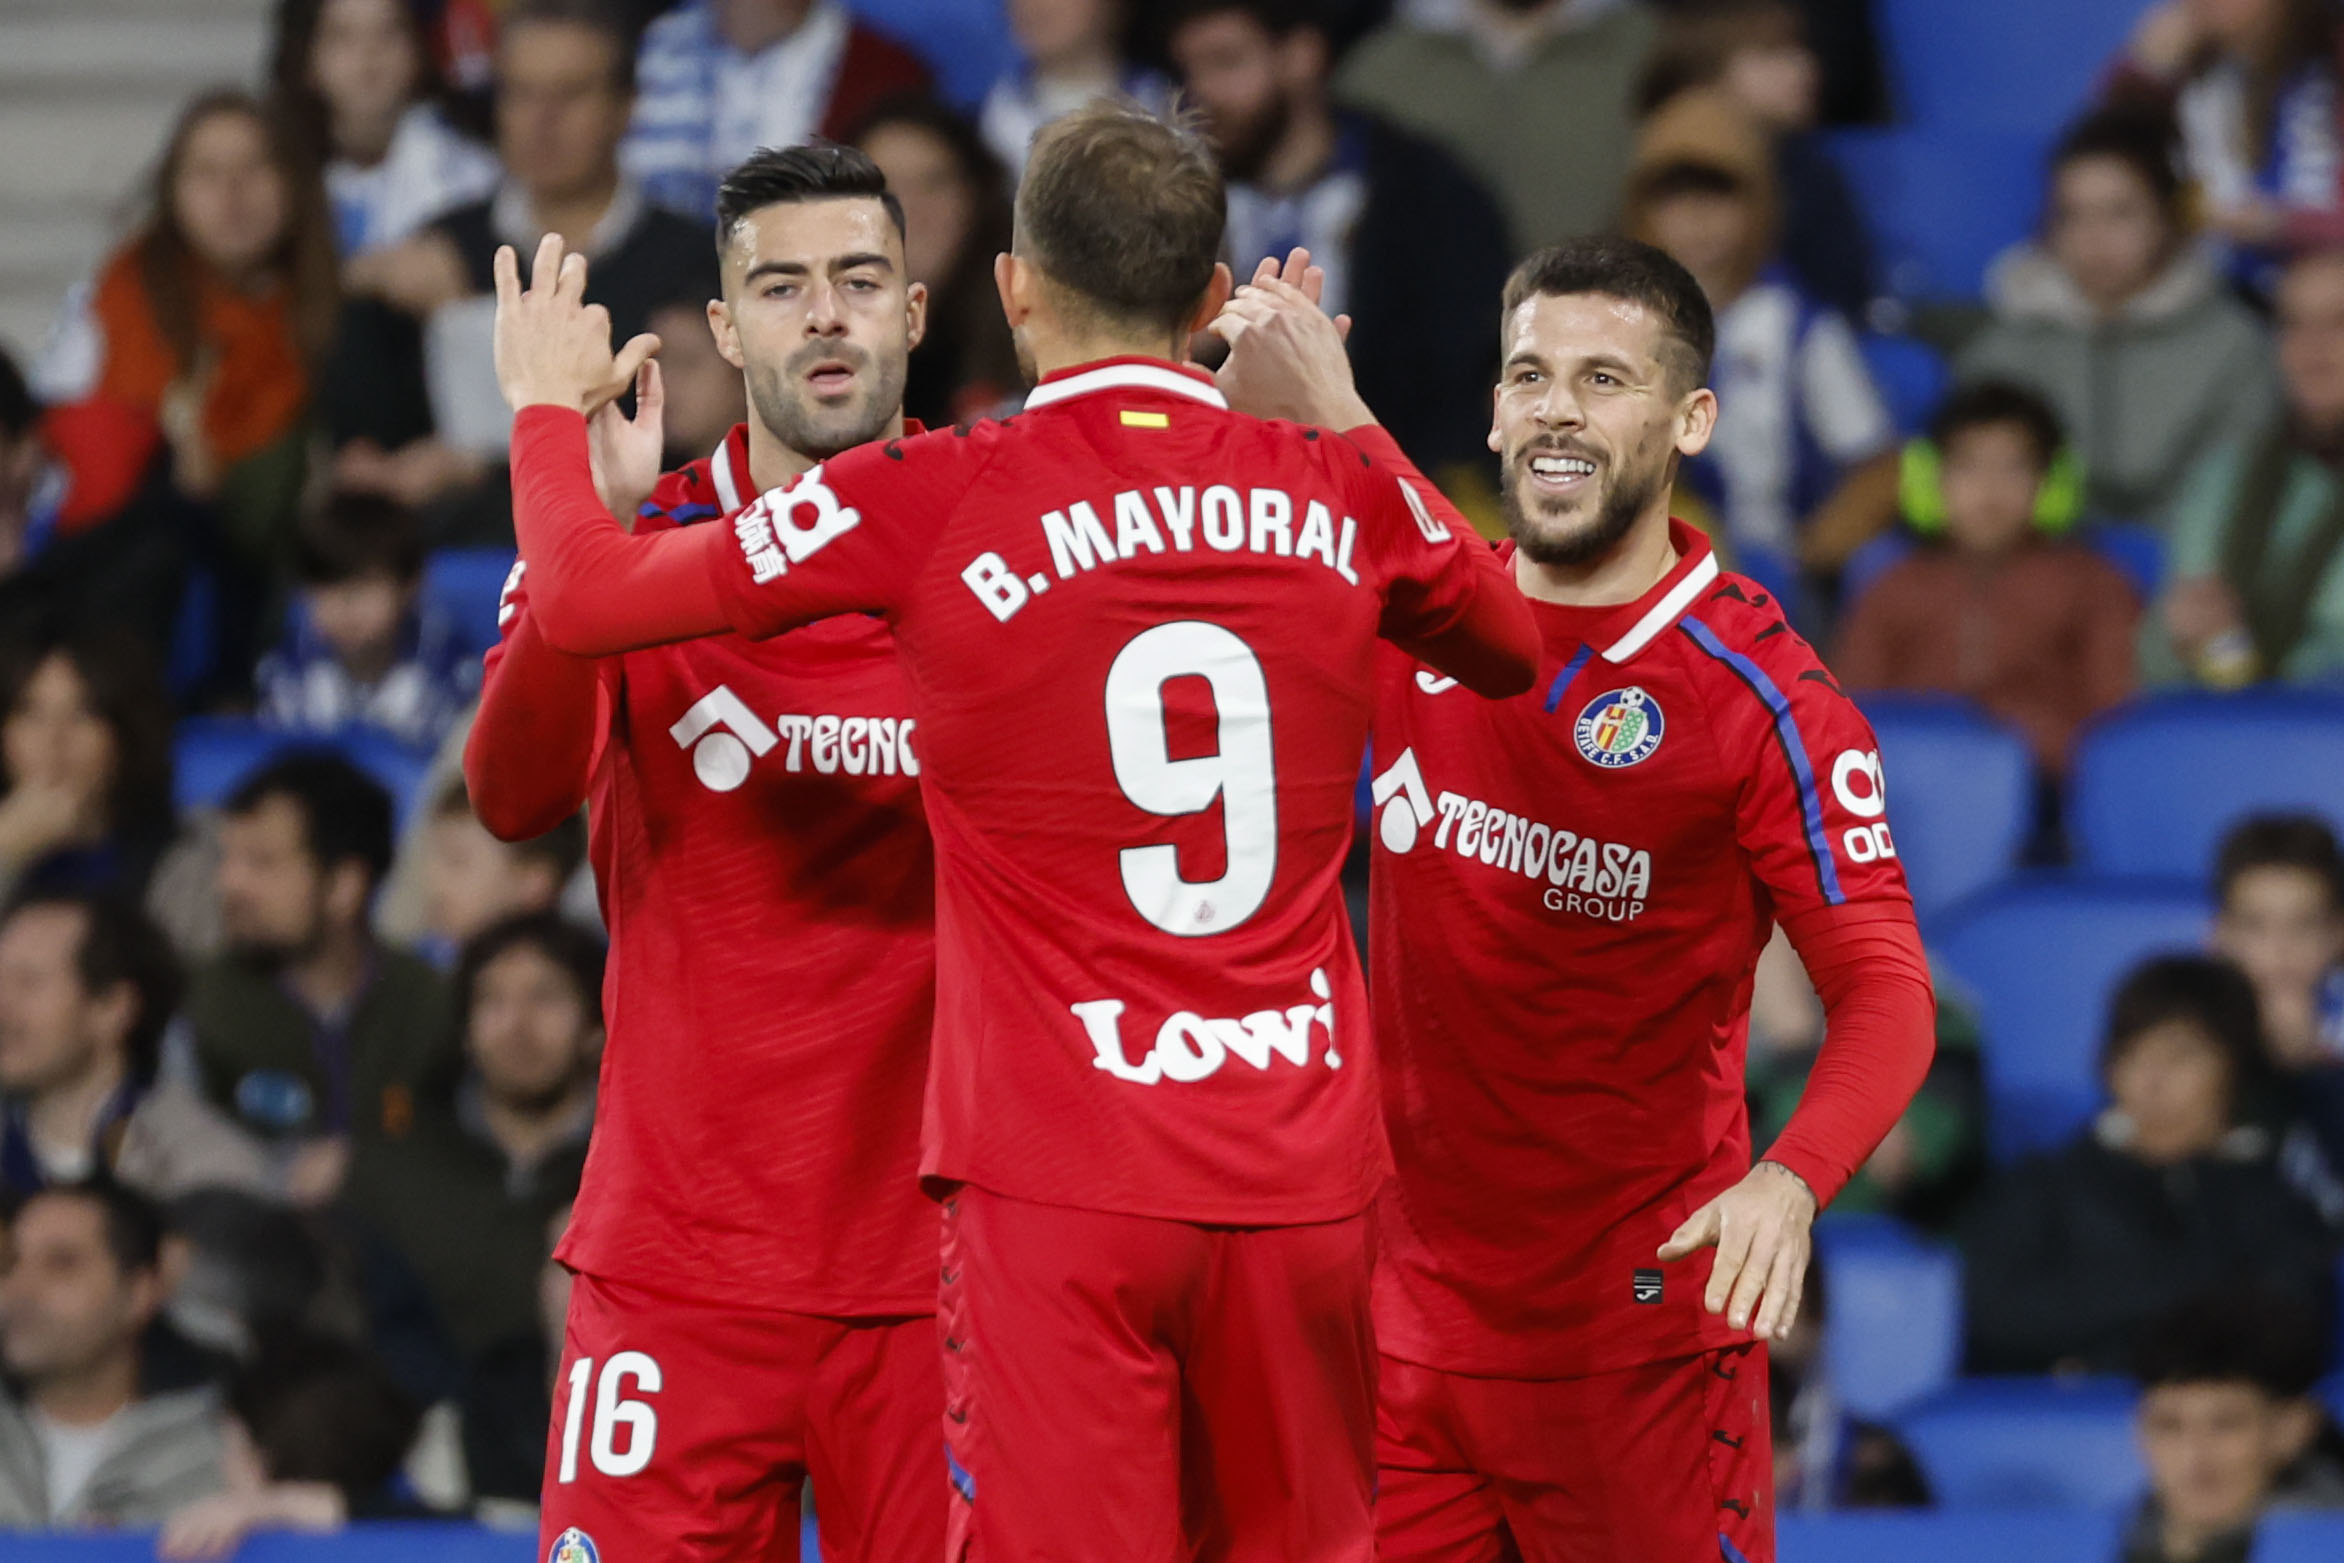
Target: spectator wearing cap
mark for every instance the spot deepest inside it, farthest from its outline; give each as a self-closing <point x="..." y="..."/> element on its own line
<point x="2228" y="1428"/>
<point x="306" y="1030"/>
<point x="2255" y="538"/>
<point x="87" y="986"/>
<point x="363" y="649"/>
<point x="83" y="1445"/>
<point x="2172" y="1194"/>
<point x="451" y="1216"/>
<point x="721" y="78"/>
<point x="1069" y="52"/>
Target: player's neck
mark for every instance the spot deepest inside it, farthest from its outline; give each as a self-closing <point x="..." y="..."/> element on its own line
<point x="1055" y="352"/>
<point x="1641" y="561"/>
<point x="773" y="463"/>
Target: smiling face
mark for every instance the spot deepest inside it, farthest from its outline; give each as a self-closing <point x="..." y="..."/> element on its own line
<point x="1593" y="409"/>
<point x="820" y="317"/>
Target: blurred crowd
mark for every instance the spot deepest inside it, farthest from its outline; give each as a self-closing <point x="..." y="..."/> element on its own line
<point x="297" y="1084"/>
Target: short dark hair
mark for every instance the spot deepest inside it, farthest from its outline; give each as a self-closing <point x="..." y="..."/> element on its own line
<point x="1124" y="211"/>
<point x="2203" y="990"/>
<point x="353" y="535"/>
<point x="1626" y="269"/>
<point x="2251" y="1337"/>
<point x="1275" y="17"/>
<point x="606" y="17"/>
<point x="2299" y="841"/>
<point x="119" y="944"/>
<point x="345" y="813"/>
<point x="561" y="849"/>
<point x="133" y="1223"/>
<point x="2140" y="138"/>
<point x="18" y="410"/>
<point x="1700" y="38"/>
<point x="322" y="1410"/>
<point x="578" y="953"/>
<point x="788" y="176"/>
<point x="1987" y="402"/>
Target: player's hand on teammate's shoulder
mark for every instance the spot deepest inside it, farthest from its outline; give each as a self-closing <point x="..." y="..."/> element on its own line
<point x="1762" y="1230"/>
<point x="1286" y="358"/>
<point x="552" y="347"/>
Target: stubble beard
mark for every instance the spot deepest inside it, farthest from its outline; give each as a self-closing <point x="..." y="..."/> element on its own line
<point x="1626" y="495"/>
<point x="792" y="417"/>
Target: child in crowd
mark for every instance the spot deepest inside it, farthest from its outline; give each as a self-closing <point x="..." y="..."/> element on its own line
<point x="471" y="880"/>
<point x="1998" y="606"/>
<point x="363" y="649"/>
<point x="2279" y="882"/>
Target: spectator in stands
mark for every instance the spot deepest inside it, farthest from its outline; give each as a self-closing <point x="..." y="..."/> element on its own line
<point x="83" y="1445"/>
<point x="1536" y="97"/>
<point x="87" y="986"/>
<point x="1803" y="470"/>
<point x="1824" y="1458"/>
<point x="721" y="78"/>
<point x="956" y="219"/>
<point x="2170" y="1196"/>
<point x="316" y="1431"/>
<point x="1757" y="52"/>
<point x="2229" y="1428"/>
<point x="452" y="1214"/>
<point x="1997" y="606"/>
<point x="306" y="1029"/>
<point x="472" y="880"/>
<point x="28" y="500"/>
<point x="704" y="395"/>
<point x="180" y="379"/>
<point x="2255" y="544"/>
<point x="363" y="649"/>
<point x="1379" y="208"/>
<point x="85" y="753"/>
<point x="359" y="76"/>
<point x="1069" y="52"/>
<point x="2279" y="883"/>
<point x="2124" y="323"/>
<point x="414" y="410"/>
<point x="2254" y="86"/>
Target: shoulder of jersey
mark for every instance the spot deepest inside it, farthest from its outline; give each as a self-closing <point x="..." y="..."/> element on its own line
<point x="1746" y="619"/>
<point x="680" y="498"/>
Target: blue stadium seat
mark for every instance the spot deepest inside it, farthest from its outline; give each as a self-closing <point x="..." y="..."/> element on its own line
<point x="2157" y="784"/>
<point x="1893" y="1336"/>
<point x="963" y="41"/>
<point x="2041" y="956"/>
<point x="1942" y="202"/>
<point x="1872" y="561"/>
<point x="210" y="755"/>
<point x="2025" y="1443"/>
<point x="1910" y="375"/>
<point x="2037" y="1536"/>
<point x="2299" y="1538"/>
<point x="464" y="585"/>
<point x="2020" y="65"/>
<point x="1961" y="795"/>
<point x="2136" y="550"/>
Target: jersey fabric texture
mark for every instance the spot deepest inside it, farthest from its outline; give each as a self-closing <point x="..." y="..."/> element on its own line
<point x="1570" y="892"/>
<point x="766" y="876"/>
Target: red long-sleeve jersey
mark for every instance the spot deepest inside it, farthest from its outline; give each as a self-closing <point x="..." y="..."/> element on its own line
<point x="1571" y="889"/>
<point x="765" y="871"/>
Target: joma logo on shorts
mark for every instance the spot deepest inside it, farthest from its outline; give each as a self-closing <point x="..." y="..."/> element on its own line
<point x="1190" y="1047"/>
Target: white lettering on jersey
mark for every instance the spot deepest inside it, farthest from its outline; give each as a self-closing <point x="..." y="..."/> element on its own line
<point x="1606" y="880"/>
<point x="725" y="736"/>
<point x="1189" y="1047"/>
<point x="768" y="531"/>
<point x="505" y="606"/>
<point x="1862" y="789"/>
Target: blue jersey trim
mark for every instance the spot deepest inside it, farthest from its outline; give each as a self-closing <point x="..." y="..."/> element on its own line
<point x="1794" y="749"/>
<point x="962" y="1481"/>
<point x="1554" y="691"/>
<point x="1733" y="1554"/>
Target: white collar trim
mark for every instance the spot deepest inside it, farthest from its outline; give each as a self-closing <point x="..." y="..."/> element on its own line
<point x="1664" y="612"/>
<point x="1133" y="377"/>
<point x="728" y="488"/>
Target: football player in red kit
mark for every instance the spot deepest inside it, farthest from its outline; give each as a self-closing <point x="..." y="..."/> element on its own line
<point x="1579" y="1266"/>
<point x="756" y="1266"/>
<point x="1138" y="630"/>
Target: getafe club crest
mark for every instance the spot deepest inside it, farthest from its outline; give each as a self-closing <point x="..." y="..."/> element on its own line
<point x="1620" y="729"/>
<point x="573" y="1546"/>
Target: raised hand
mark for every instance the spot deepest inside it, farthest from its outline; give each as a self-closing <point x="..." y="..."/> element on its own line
<point x="552" y="347"/>
<point x="624" y="452"/>
<point x="1286" y="358"/>
<point x="1762" y="1229"/>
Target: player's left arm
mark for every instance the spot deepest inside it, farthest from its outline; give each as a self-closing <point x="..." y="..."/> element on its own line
<point x="1812" y="819"/>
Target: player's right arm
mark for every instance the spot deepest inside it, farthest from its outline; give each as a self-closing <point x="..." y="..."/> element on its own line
<point x="531" y="749"/>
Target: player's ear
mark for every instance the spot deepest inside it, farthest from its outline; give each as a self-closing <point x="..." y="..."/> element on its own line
<point x="1011" y="281"/>
<point x="720" y="326"/>
<point x="915" y="314"/>
<point x="1497" y="440"/>
<point x="1696" y="421"/>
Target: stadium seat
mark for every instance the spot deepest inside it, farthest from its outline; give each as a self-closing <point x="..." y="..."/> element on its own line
<point x="1910" y="375"/>
<point x="2136" y="550"/>
<point x="2016" y="65"/>
<point x="210" y="755"/>
<point x="1894" y="1308"/>
<point x="1943" y="202"/>
<point x="2157" y="784"/>
<point x="2026" y="1443"/>
<point x="2040" y="957"/>
<point x="2295" y="1538"/>
<point x="1961" y="796"/>
<point x="2039" y="1536"/>
<point x="464" y="585"/>
<point x="1872" y="561"/>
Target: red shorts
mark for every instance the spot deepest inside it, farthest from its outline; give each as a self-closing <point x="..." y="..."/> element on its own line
<point x="1671" y="1462"/>
<point x="686" y="1432"/>
<point x="1128" y="1390"/>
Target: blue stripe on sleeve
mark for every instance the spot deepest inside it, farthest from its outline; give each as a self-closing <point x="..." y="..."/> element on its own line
<point x="1794" y="749"/>
<point x="962" y="1481"/>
